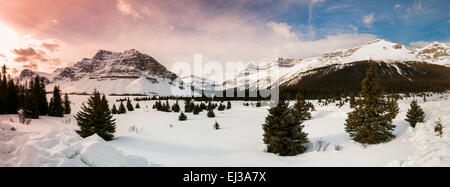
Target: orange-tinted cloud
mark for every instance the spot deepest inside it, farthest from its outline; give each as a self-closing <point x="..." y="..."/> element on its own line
<point x="50" y="46"/>
<point x="30" y="55"/>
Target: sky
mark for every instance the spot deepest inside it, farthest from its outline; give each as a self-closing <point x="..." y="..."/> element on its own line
<point x="47" y="34"/>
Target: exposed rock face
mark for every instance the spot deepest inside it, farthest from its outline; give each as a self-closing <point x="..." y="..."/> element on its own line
<point x="27" y="75"/>
<point x="107" y="64"/>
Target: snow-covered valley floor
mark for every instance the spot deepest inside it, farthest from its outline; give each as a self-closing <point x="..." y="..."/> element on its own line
<point x="159" y="139"/>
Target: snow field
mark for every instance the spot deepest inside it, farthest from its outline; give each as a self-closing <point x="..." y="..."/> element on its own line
<point x="146" y="136"/>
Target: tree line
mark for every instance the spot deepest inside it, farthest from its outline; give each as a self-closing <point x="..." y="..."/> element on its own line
<point x="30" y="98"/>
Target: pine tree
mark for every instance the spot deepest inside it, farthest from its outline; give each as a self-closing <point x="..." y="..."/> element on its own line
<point x="210" y="113"/>
<point x="137" y="105"/>
<point x="301" y="109"/>
<point x="12" y="97"/>
<point x="371" y="120"/>
<point x="187" y="106"/>
<point x="55" y="106"/>
<point x="96" y="118"/>
<point x="438" y="128"/>
<point x="182" y="117"/>
<point x="3" y="88"/>
<point x="216" y="126"/>
<point x="122" y="109"/>
<point x="415" y="114"/>
<point x="352" y="100"/>
<point x="283" y="131"/>
<point x="30" y="106"/>
<point x="196" y="110"/>
<point x="221" y="107"/>
<point x="129" y="105"/>
<point x="114" y="109"/>
<point x="176" y="107"/>
<point x="66" y="104"/>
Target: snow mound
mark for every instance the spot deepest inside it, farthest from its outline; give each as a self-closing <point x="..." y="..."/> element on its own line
<point x="62" y="147"/>
<point x="94" y="151"/>
<point x="431" y="150"/>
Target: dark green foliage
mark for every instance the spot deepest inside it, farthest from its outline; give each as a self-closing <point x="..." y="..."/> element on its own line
<point x="137" y="105"/>
<point x="371" y="120"/>
<point x="221" y="107"/>
<point x="258" y="104"/>
<point x="228" y="105"/>
<point x="96" y="118"/>
<point x="415" y="114"/>
<point x="55" y="107"/>
<point x="31" y="97"/>
<point x="122" y="109"/>
<point x="302" y="109"/>
<point x="176" y="107"/>
<point x="30" y="106"/>
<point x="338" y="81"/>
<point x="216" y="126"/>
<point x="66" y="104"/>
<point x="187" y="106"/>
<point x="210" y="113"/>
<point x="283" y="131"/>
<point x="438" y="128"/>
<point x="182" y="117"/>
<point x="129" y="105"/>
<point x="196" y="110"/>
<point x="114" y="109"/>
<point x="352" y="100"/>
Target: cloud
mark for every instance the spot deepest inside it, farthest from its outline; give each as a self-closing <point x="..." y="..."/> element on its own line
<point x="124" y="7"/>
<point x="50" y="46"/>
<point x="168" y="30"/>
<point x="397" y="6"/>
<point x="354" y="28"/>
<point x="30" y="55"/>
<point x="369" y="19"/>
<point x="282" y="29"/>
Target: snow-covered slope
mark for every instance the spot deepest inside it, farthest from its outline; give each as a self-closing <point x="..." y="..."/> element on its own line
<point x="128" y="72"/>
<point x="285" y="70"/>
<point x="199" y="84"/>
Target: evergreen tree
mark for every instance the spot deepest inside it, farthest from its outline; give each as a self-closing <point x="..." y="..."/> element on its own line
<point x="196" y="110"/>
<point x="114" y="109"/>
<point x="301" y="109"/>
<point x="30" y="106"/>
<point x="122" y="109"/>
<point x="187" y="106"/>
<point x="352" y="100"/>
<point x="55" y="107"/>
<point x="66" y="104"/>
<point x="137" y="105"/>
<point x="12" y="98"/>
<point x="210" y="113"/>
<point x="96" y="118"/>
<point x="283" y="131"/>
<point x="182" y="117"/>
<point x="216" y="126"/>
<point x="3" y="90"/>
<point x="129" y="105"/>
<point x="415" y="114"/>
<point x="221" y="107"/>
<point x="176" y="107"/>
<point x="371" y="120"/>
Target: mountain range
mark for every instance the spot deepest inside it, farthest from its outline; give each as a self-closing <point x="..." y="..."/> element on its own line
<point x="132" y="72"/>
